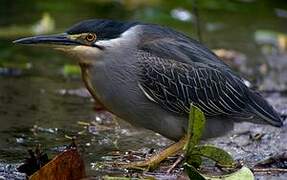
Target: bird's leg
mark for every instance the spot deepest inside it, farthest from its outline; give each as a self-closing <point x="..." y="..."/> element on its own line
<point x="154" y="161"/>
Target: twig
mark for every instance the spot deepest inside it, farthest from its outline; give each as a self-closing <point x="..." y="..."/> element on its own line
<point x="273" y="159"/>
<point x="197" y="19"/>
<point x="269" y="170"/>
<point x="179" y="160"/>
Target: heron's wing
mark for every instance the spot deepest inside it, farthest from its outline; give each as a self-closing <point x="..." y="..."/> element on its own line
<point x="179" y="48"/>
<point x="175" y="85"/>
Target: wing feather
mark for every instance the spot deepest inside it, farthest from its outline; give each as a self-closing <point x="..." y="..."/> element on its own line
<point x="175" y="85"/>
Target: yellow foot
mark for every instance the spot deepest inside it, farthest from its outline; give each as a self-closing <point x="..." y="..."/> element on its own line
<point x="154" y="161"/>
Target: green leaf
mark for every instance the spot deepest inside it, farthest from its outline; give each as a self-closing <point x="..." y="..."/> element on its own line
<point x="193" y="152"/>
<point x="195" y="128"/>
<point x="192" y="172"/>
<point x="195" y="160"/>
<point x="243" y="173"/>
<point x="220" y="156"/>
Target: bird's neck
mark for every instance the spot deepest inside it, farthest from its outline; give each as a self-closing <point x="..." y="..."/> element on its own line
<point x="110" y="80"/>
<point x="86" y="77"/>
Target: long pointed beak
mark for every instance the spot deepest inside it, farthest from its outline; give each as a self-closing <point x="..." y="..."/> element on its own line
<point x="57" y="39"/>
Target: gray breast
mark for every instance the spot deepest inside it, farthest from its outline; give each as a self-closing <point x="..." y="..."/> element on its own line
<point x="117" y="85"/>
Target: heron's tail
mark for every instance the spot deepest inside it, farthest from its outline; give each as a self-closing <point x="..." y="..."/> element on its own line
<point x="259" y="106"/>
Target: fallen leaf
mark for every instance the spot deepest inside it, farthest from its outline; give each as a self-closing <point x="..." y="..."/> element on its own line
<point x="68" y="165"/>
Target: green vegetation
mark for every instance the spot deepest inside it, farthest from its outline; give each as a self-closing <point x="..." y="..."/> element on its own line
<point x="221" y="157"/>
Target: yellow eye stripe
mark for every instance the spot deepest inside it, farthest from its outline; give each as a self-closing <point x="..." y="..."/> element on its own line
<point x="89" y="37"/>
<point x="76" y="36"/>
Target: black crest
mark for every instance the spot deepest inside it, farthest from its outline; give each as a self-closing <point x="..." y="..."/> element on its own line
<point x="104" y="29"/>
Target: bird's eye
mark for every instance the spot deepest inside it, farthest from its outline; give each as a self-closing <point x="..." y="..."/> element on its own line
<point x="90" y="37"/>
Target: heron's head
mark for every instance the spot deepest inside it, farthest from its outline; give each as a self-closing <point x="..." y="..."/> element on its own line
<point x="87" y="39"/>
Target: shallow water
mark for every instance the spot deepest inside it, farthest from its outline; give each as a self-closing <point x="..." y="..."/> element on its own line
<point x="42" y="103"/>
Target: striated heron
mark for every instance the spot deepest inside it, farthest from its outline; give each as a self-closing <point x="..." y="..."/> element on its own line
<point x="149" y="75"/>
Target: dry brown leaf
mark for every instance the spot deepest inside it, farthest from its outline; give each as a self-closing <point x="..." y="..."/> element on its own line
<point x="66" y="166"/>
